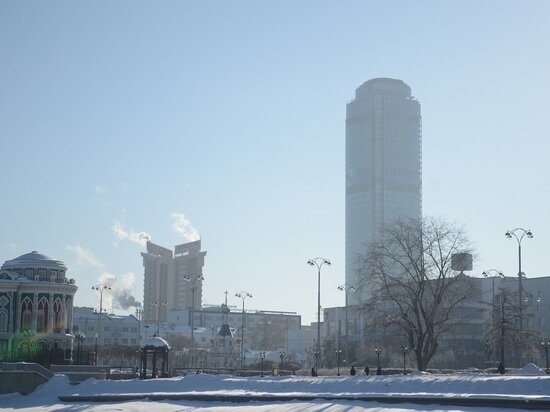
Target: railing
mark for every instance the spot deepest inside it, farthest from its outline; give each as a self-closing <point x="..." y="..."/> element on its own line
<point x="26" y="367"/>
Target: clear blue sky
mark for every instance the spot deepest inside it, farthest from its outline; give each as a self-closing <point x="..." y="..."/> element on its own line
<point x="116" y="115"/>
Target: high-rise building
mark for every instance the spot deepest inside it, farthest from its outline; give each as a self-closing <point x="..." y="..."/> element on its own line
<point x="171" y="280"/>
<point x="383" y="167"/>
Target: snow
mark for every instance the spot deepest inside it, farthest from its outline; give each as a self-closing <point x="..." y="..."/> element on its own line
<point x="523" y="384"/>
<point x="156" y="342"/>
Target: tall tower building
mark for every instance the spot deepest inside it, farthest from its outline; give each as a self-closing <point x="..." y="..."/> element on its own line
<point x="171" y="280"/>
<point x="383" y="167"/>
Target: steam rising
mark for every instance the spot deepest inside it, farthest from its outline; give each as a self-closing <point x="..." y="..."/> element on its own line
<point x="120" y="295"/>
<point x="183" y="227"/>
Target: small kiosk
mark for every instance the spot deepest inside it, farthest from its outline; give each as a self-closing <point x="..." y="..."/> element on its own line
<point x="156" y="349"/>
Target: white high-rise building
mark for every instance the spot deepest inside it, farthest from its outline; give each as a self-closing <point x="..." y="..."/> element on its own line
<point x="383" y="167"/>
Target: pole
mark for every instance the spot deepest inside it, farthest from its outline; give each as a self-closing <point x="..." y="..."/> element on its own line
<point x="318" y="318"/>
<point x="502" y="337"/>
<point x="520" y="292"/>
<point x="346" y="328"/>
<point x="192" y="324"/>
<point x="242" y="338"/>
<point x="546" y="348"/>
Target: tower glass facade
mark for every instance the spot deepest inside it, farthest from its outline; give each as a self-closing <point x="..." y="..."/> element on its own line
<point x="383" y="167"/>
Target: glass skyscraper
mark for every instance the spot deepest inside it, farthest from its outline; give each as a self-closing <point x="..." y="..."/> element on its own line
<point x="383" y="167"/>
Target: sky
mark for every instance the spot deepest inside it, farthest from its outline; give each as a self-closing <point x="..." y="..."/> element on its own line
<point x="125" y="120"/>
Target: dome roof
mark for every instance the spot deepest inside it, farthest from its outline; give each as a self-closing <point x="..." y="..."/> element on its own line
<point x="155" y="342"/>
<point x="33" y="259"/>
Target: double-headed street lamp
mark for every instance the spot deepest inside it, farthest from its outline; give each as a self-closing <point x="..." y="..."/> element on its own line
<point x="545" y="344"/>
<point x="346" y="288"/>
<point x="262" y="357"/>
<point x="101" y="287"/>
<point x="519" y="233"/>
<point x="378" y="350"/>
<point x="338" y="353"/>
<point x="194" y="278"/>
<point x="243" y="295"/>
<point x="318" y="262"/>
<point x="158" y="305"/>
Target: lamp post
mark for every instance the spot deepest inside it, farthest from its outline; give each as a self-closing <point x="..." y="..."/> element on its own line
<point x="243" y="295"/>
<point x="338" y="352"/>
<point x="193" y="279"/>
<point x="378" y="349"/>
<point x="282" y="356"/>
<point x="79" y="341"/>
<point x="262" y="357"/>
<point x="404" y="349"/>
<point x="318" y="262"/>
<point x="101" y="287"/>
<point x="545" y="344"/>
<point x="502" y="368"/>
<point x="158" y="305"/>
<point x="346" y="288"/>
<point x="519" y="233"/>
<point x="95" y="350"/>
<point x="493" y="274"/>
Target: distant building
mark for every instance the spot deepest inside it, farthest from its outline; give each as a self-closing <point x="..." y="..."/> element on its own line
<point x="117" y="330"/>
<point x="383" y="168"/>
<point x="36" y="310"/>
<point x="171" y="280"/>
<point x="473" y="336"/>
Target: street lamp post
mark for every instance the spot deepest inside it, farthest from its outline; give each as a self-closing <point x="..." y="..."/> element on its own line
<point x="545" y="344"/>
<point x="282" y="356"/>
<point x="318" y="262"/>
<point x="493" y="274"/>
<point x="378" y="349"/>
<point x="101" y="287"/>
<point x="193" y="279"/>
<point x="158" y="305"/>
<point x="95" y="350"/>
<point x="404" y="349"/>
<point x="243" y="295"/>
<point x="501" y="367"/>
<point x="346" y="288"/>
<point x="519" y="233"/>
<point x="262" y="357"/>
<point x="338" y="352"/>
<point x="79" y="342"/>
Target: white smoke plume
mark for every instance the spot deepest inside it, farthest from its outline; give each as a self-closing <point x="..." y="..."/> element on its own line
<point x="183" y="227"/>
<point x="84" y="256"/>
<point x="120" y="295"/>
<point x="140" y="238"/>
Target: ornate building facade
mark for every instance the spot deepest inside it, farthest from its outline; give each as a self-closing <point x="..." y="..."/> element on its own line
<point x="36" y="310"/>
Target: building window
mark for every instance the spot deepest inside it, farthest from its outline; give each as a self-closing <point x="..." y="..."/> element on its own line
<point x="134" y="330"/>
<point x="57" y="316"/>
<point x="133" y="341"/>
<point x="42" y="318"/>
<point x="125" y="329"/>
<point x="125" y="341"/>
<point x="26" y="314"/>
<point x="3" y="320"/>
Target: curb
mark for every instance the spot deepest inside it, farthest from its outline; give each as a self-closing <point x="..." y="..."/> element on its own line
<point x="518" y="403"/>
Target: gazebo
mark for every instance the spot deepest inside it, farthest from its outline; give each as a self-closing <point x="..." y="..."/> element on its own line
<point x="156" y="349"/>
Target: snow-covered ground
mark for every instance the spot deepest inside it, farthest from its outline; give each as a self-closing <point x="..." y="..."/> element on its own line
<point x="529" y="383"/>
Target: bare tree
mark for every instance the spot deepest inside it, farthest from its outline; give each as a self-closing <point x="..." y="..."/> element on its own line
<point x="412" y="287"/>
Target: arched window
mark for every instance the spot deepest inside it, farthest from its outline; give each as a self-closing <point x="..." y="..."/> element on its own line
<point x="3" y="320"/>
<point x="42" y="316"/>
<point x="57" y="316"/>
<point x="26" y="314"/>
